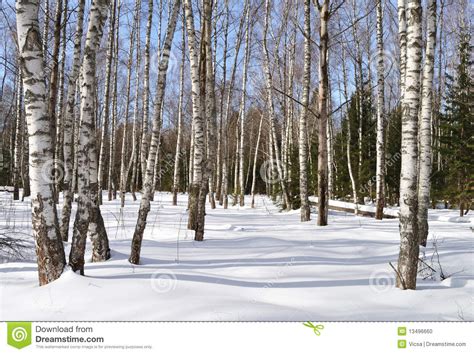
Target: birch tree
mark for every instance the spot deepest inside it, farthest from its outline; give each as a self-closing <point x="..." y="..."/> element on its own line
<point x="242" y="111"/>
<point x="19" y="129"/>
<point x="146" y="89"/>
<point x="150" y="168"/>
<point x="177" y="158"/>
<point x="88" y="216"/>
<point x="402" y="39"/>
<point x="303" y="142"/>
<point x="49" y="248"/>
<point x="323" y="113"/>
<point x="123" y="162"/>
<point x="271" y="107"/>
<point x="380" y="169"/>
<point x="409" y="242"/>
<point x="198" y="123"/>
<point x="426" y="158"/>
<point x="107" y="92"/>
<point x="69" y="123"/>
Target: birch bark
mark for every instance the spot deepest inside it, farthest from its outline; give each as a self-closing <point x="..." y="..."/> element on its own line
<point x="426" y="153"/>
<point x="49" y="248"/>
<point x="88" y="216"/>
<point x="409" y="242"/>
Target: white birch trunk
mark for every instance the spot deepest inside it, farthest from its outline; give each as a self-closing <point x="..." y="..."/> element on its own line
<point x="426" y="158"/>
<point x="242" y="110"/>
<point x="323" y="116"/>
<point x="270" y="106"/>
<point x="380" y="146"/>
<point x="303" y="142"/>
<point x="19" y="129"/>
<point x="402" y="37"/>
<point x="409" y="246"/>
<point x="49" y="248"/>
<point x="123" y="157"/>
<point x="146" y="90"/>
<point x="69" y="117"/>
<point x="107" y="89"/>
<point x="150" y="168"/>
<point x="88" y="216"/>
<point x="198" y="121"/>
<point x="177" y="157"/>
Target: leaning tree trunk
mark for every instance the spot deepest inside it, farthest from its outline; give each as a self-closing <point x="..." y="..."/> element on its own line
<point x="49" y="248"/>
<point x="88" y="216"/>
<point x="303" y="142"/>
<point x="424" y="182"/>
<point x="409" y="242"/>
<point x="150" y="167"/>
<point x="323" y="116"/>
<point x="380" y="169"/>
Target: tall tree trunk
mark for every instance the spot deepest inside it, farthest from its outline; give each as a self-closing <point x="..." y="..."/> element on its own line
<point x="53" y="84"/>
<point x="323" y="115"/>
<point x="211" y="111"/>
<point x="111" y="182"/>
<point x="198" y="122"/>
<point x="426" y="158"/>
<point x="270" y="106"/>
<point x="123" y="158"/>
<point x="349" y="137"/>
<point x="49" y="248"/>
<point x="133" y="163"/>
<point x="303" y="143"/>
<point x="150" y="168"/>
<point x="19" y="129"/>
<point x="69" y="117"/>
<point x="88" y="216"/>
<point x="225" y="161"/>
<point x="58" y="153"/>
<point x="409" y="242"/>
<point x="107" y="89"/>
<point x="220" y="134"/>
<point x="242" y="110"/>
<point x="380" y="169"/>
<point x="178" y="153"/>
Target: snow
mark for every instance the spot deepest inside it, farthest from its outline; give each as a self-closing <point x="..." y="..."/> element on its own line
<point x="255" y="264"/>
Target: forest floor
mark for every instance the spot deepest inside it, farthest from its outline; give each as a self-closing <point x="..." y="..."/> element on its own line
<point x="255" y="264"/>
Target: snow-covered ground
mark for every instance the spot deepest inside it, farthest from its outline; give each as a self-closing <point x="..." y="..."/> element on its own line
<point x="255" y="264"/>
